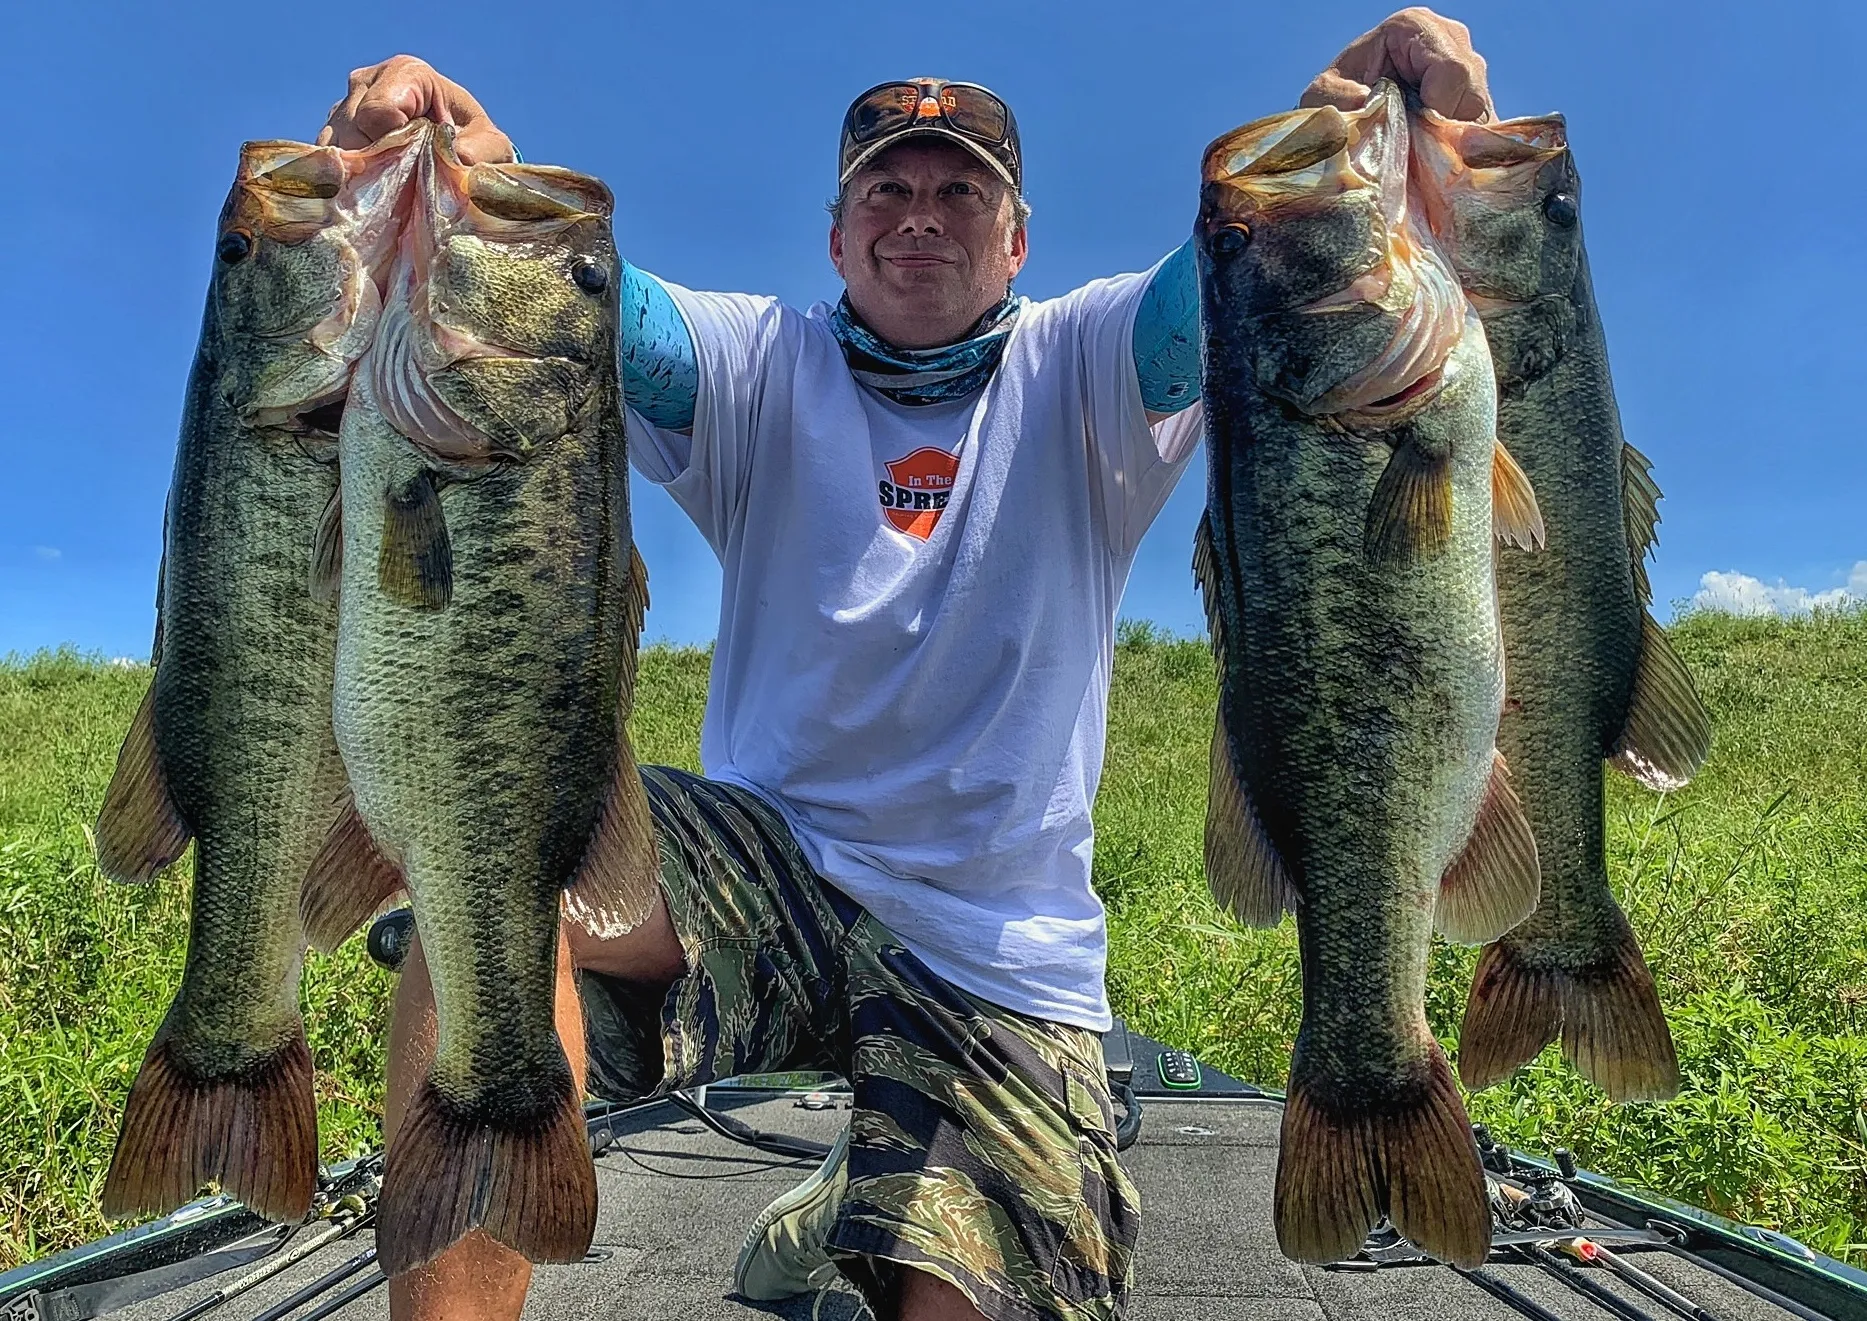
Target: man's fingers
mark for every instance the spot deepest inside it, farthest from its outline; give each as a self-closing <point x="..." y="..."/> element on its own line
<point x="1331" y="88"/>
<point x="482" y="144"/>
<point x="1418" y="48"/>
<point x="382" y="111"/>
<point x="1456" y="91"/>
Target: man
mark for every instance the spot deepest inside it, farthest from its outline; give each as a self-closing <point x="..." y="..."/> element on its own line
<point x="925" y="501"/>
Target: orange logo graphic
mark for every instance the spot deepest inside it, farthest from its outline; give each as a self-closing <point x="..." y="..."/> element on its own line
<point x="916" y="494"/>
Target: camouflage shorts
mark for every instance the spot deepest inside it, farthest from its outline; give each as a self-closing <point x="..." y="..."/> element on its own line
<point x="982" y="1143"/>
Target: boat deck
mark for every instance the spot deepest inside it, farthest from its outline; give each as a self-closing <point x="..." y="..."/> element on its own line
<point x="676" y="1200"/>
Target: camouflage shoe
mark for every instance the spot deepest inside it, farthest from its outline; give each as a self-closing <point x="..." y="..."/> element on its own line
<point x="784" y="1254"/>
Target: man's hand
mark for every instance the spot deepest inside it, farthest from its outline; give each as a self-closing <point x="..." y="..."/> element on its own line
<point x="1418" y="48"/>
<point x="385" y="96"/>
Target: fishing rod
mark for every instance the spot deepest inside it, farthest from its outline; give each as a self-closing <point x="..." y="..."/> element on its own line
<point x="355" y="1214"/>
<point x="1573" y="1277"/>
<point x="1591" y="1251"/>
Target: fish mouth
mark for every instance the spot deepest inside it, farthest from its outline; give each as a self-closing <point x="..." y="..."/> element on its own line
<point x="1282" y="170"/>
<point x="415" y="364"/>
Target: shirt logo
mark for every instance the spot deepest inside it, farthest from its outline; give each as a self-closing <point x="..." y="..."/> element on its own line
<point x="916" y="494"/>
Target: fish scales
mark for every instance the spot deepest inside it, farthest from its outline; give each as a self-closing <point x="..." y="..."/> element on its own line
<point x="233" y="745"/>
<point x="1505" y="199"/>
<point x="1347" y="559"/>
<point x="491" y="606"/>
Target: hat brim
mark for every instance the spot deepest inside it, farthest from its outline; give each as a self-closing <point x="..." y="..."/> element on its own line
<point x="978" y="149"/>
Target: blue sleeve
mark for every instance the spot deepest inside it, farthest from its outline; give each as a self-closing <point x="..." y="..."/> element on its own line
<point x="660" y="372"/>
<point x="1166" y="335"/>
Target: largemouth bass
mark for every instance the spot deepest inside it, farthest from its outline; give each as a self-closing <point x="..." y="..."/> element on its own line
<point x="491" y="605"/>
<point x="1346" y="556"/>
<point x="1592" y="676"/>
<point x="233" y="744"/>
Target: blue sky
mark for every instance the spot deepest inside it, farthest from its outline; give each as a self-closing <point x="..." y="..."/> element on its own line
<point x="1724" y="205"/>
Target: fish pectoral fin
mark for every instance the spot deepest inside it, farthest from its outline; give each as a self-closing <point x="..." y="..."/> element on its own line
<point x="347" y="881"/>
<point x="1515" y="516"/>
<point x="1640" y="512"/>
<point x="1243" y="870"/>
<point x="618" y="881"/>
<point x="1206" y="574"/>
<point x="1494" y="883"/>
<point x="1668" y="731"/>
<point x="254" y="1133"/>
<point x="1608" y="1014"/>
<point x="415" y="566"/>
<point x="1341" y="1166"/>
<point x="527" y="1182"/>
<point x="1410" y="513"/>
<point x="327" y="551"/>
<point x="634" y="613"/>
<point x="139" y="829"/>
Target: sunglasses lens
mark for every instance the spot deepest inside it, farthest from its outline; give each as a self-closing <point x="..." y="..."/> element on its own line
<point x="882" y="111"/>
<point x="976" y="113"/>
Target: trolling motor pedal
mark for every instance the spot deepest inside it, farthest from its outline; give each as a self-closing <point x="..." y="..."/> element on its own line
<point x="390" y="937"/>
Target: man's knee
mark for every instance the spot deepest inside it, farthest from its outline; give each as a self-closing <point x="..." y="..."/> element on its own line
<point x="649" y="954"/>
<point x="926" y="1297"/>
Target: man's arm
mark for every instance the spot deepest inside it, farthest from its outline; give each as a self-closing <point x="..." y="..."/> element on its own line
<point x="1166" y="337"/>
<point x="660" y="370"/>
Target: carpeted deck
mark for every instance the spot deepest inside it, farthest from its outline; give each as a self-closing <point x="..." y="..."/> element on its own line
<point x="676" y="1199"/>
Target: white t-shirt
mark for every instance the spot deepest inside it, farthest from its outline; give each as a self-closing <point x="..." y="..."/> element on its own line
<point x="918" y="614"/>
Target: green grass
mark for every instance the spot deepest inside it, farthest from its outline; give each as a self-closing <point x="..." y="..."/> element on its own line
<point x="1749" y="890"/>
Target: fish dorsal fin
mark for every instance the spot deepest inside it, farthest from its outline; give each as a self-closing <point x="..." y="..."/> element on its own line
<point x="416" y="563"/>
<point x="1640" y="510"/>
<point x="1494" y="882"/>
<point x="139" y="829"/>
<point x="1410" y="513"/>
<point x="1206" y="574"/>
<point x="347" y="881"/>
<point x="1668" y="731"/>
<point x="1242" y="867"/>
<point x="1515" y="516"/>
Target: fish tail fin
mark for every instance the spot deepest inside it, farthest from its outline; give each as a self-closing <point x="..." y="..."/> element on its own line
<point x="1512" y="1011"/>
<point x="347" y="881"/>
<point x="531" y="1186"/>
<point x="1341" y="1167"/>
<point x="1495" y="881"/>
<point x="1609" y="1017"/>
<point x="255" y="1134"/>
<point x="139" y="829"/>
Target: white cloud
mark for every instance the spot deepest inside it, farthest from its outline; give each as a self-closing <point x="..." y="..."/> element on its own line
<point x="46" y="552"/>
<point x="1741" y="594"/>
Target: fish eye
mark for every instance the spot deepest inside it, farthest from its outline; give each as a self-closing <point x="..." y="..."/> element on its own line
<point x="589" y="275"/>
<point x="1559" y="209"/>
<point x="233" y="247"/>
<point x="1229" y="241"/>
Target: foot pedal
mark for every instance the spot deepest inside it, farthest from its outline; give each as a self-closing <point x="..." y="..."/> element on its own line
<point x="390" y="936"/>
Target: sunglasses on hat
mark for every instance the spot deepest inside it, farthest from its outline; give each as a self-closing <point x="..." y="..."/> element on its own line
<point x="964" y="111"/>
